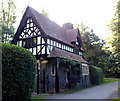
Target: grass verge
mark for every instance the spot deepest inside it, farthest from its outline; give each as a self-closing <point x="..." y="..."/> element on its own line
<point x="71" y="90"/>
<point x="38" y="98"/>
<point x="118" y="99"/>
<point x="105" y="81"/>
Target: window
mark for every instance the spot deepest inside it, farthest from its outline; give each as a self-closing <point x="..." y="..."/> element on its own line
<point x="85" y="69"/>
<point x="71" y="49"/>
<point x="54" y="43"/>
<point x="48" y="41"/>
<point x="28" y="43"/>
<point x="51" y="42"/>
<point x="53" y="70"/>
<point x="57" y="44"/>
<point x="68" y="48"/>
<point x="62" y="46"/>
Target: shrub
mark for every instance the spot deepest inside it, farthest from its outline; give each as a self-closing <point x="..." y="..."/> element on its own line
<point x="18" y="73"/>
<point x="96" y="75"/>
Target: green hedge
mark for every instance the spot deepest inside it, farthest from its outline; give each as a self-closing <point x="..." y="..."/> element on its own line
<point x="18" y="73"/>
<point x="96" y="75"/>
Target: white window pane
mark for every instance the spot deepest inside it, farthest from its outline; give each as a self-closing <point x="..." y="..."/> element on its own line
<point x="62" y="46"/>
<point x="72" y="49"/>
<point x="57" y="44"/>
<point x="54" y="43"/>
<point x="51" y="42"/>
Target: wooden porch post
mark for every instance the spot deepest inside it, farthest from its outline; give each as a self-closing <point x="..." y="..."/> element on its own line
<point x="57" y="75"/>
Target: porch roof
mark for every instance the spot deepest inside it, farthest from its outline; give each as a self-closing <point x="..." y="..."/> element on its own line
<point x="67" y="55"/>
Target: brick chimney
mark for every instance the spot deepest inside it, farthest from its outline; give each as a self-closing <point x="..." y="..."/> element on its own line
<point x="68" y="25"/>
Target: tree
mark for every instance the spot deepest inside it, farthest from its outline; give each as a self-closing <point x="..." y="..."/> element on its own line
<point x="114" y="41"/>
<point x="7" y="19"/>
<point x="93" y="47"/>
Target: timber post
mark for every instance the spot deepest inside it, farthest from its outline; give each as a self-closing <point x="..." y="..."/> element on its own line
<point x="57" y="75"/>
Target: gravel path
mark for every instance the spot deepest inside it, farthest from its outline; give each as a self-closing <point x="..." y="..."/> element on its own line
<point x="98" y="92"/>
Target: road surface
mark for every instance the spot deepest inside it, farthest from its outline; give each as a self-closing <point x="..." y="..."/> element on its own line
<point x="97" y="92"/>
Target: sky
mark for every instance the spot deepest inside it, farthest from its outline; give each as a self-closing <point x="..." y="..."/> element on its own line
<point x="95" y="14"/>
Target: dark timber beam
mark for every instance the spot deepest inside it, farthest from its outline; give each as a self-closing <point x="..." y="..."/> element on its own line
<point x="57" y="61"/>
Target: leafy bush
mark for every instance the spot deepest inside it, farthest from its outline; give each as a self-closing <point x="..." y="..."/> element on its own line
<point x="96" y="75"/>
<point x="18" y="73"/>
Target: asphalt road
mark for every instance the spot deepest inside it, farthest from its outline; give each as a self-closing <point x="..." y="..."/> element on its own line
<point x="97" y="92"/>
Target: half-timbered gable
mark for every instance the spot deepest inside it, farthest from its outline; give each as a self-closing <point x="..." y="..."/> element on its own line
<point x="50" y="42"/>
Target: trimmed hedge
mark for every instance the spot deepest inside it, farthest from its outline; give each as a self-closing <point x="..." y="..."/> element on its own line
<point x="18" y="73"/>
<point x="96" y="75"/>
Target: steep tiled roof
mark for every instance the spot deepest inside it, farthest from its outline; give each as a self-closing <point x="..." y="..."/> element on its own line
<point x="50" y="28"/>
<point x="67" y="55"/>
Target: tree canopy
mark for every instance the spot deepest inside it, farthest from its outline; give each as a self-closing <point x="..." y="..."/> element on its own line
<point x="7" y="19"/>
<point x="114" y="41"/>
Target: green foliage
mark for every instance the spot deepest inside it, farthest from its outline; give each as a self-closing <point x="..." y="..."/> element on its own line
<point x="96" y="75"/>
<point x="18" y="73"/>
<point x="74" y="64"/>
<point x="92" y="46"/>
<point x="7" y="19"/>
<point x="114" y="41"/>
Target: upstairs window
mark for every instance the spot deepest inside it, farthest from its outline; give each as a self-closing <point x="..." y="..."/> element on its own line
<point x="28" y="43"/>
